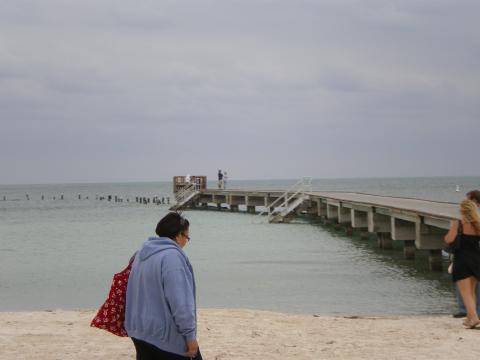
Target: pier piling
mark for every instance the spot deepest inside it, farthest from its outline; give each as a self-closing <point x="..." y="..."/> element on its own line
<point x="409" y="249"/>
<point x="384" y="241"/>
<point x="435" y="260"/>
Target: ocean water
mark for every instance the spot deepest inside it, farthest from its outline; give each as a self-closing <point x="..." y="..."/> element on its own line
<point x="63" y="253"/>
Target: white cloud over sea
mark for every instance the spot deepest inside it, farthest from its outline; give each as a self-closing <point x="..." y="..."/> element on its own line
<point x="108" y="91"/>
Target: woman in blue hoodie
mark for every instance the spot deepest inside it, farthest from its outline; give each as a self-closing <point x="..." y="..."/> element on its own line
<point x="161" y="314"/>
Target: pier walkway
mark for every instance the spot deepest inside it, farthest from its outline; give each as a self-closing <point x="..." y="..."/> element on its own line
<point x="424" y="207"/>
<point x="418" y="224"/>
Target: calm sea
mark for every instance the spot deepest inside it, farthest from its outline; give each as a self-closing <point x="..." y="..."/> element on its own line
<point x="62" y="253"/>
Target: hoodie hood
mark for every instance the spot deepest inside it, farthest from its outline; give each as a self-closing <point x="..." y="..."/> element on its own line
<point x="154" y="245"/>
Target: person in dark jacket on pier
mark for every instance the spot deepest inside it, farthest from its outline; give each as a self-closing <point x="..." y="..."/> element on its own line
<point x="220" y="179"/>
<point x="161" y="313"/>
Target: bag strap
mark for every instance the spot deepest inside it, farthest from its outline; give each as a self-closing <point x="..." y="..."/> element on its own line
<point x="132" y="258"/>
<point x="460" y="227"/>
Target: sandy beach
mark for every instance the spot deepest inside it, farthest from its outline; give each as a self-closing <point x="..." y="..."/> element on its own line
<point x="248" y="334"/>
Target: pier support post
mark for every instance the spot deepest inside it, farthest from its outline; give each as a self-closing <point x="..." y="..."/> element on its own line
<point x="344" y="214"/>
<point x="378" y="222"/>
<point x="329" y="222"/>
<point x="364" y="235"/>
<point x="321" y="208"/>
<point x="348" y="229"/>
<point x="337" y="226"/>
<point x="311" y="207"/>
<point x="435" y="260"/>
<point x="384" y="241"/>
<point x="219" y="206"/>
<point x="234" y="208"/>
<point x="409" y="249"/>
<point x="251" y="209"/>
<point x="359" y="218"/>
<point x="332" y="212"/>
<point x="429" y="237"/>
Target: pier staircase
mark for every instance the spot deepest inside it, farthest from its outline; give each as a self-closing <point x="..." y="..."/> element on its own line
<point x="282" y="208"/>
<point x="185" y="196"/>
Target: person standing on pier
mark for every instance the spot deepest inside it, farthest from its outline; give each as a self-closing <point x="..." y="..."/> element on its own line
<point x="225" y="178"/>
<point x="466" y="260"/>
<point x="220" y="179"/>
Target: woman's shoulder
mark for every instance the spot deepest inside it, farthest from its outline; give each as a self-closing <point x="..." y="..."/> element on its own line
<point x="468" y="229"/>
<point x="174" y="256"/>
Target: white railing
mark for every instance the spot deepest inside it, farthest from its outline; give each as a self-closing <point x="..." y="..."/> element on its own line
<point x="188" y="190"/>
<point x="297" y="190"/>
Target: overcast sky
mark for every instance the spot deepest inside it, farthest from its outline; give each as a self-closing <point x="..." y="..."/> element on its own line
<point x="102" y="90"/>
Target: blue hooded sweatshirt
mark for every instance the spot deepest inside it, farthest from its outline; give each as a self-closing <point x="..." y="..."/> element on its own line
<point x="161" y="308"/>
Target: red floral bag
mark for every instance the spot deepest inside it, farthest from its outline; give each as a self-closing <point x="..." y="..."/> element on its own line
<point x="111" y="315"/>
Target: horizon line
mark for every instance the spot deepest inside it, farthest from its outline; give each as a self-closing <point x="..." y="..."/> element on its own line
<point x="244" y="179"/>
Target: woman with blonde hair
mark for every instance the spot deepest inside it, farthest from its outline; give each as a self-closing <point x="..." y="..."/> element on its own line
<point x="466" y="261"/>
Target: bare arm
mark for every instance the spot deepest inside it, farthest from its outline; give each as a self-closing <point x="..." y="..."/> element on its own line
<point x="452" y="233"/>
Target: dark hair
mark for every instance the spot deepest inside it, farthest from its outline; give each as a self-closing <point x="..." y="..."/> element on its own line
<point x="474" y="195"/>
<point x="171" y="225"/>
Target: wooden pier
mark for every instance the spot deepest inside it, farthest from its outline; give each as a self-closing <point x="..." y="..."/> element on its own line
<point x="418" y="224"/>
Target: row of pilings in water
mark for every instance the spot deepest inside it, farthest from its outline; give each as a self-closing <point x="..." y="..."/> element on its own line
<point x="157" y="200"/>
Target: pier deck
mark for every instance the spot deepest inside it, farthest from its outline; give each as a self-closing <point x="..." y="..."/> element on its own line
<point x="419" y="206"/>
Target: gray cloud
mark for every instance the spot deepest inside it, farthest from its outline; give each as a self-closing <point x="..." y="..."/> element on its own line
<point x="106" y="91"/>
